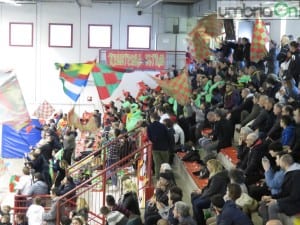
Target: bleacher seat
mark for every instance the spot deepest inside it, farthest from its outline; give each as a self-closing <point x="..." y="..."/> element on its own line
<point x="231" y="154"/>
<point x="192" y="167"/>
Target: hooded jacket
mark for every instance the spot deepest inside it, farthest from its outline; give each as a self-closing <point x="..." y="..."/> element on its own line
<point x="232" y="215"/>
<point x="38" y="188"/>
<point x="288" y="199"/>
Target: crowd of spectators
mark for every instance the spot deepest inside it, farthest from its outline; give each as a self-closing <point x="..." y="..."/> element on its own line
<point x="259" y="102"/>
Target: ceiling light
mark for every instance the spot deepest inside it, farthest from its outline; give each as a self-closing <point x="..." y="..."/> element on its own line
<point x="12" y="2"/>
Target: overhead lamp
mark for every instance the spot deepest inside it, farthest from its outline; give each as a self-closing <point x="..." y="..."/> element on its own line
<point x="138" y="3"/>
<point x="11" y="2"/>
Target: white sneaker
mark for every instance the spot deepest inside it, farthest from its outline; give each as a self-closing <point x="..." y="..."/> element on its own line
<point x="114" y="188"/>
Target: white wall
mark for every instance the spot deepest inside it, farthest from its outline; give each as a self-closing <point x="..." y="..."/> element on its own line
<point x="292" y="27"/>
<point x="35" y="65"/>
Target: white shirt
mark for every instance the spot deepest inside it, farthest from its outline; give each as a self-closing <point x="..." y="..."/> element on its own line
<point x="113" y="218"/>
<point x="34" y="214"/>
<point x="24" y="184"/>
<point x="179" y="134"/>
<point x="163" y="117"/>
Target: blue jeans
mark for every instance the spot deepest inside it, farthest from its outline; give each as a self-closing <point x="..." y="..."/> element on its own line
<point x="199" y="203"/>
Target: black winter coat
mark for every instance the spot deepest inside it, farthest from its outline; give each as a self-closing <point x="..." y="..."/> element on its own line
<point x="217" y="184"/>
<point x="289" y="198"/>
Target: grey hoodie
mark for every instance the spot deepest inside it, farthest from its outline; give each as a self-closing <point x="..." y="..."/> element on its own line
<point x="293" y="167"/>
<point x="38" y="188"/>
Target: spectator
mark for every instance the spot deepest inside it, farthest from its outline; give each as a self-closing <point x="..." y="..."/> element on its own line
<point x="113" y="206"/>
<point x="275" y="132"/>
<point x="247" y="117"/>
<point x="174" y="195"/>
<point x="50" y="217"/>
<point x="222" y="133"/>
<point x="169" y="124"/>
<point x="39" y="164"/>
<point x="228" y="212"/>
<point x="246" y="51"/>
<point x="66" y="186"/>
<point x="39" y="187"/>
<point x="113" y="217"/>
<point x="237" y="176"/>
<point x="252" y="164"/>
<point x="266" y="118"/>
<point x="78" y="220"/>
<point x="272" y="86"/>
<point x="294" y="66"/>
<point x="242" y="149"/>
<point x="162" y="112"/>
<point x="288" y="200"/>
<point x="82" y="209"/>
<point x="271" y="58"/>
<point x="130" y="200"/>
<point x="5" y="210"/>
<point x="288" y="132"/>
<point x="113" y="156"/>
<point x="179" y="133"/>
<point x="199" y="120"/>
<point x="231" y="97"/>
<point x="158" y="135"/>
<point x="274" y="174"/>
<point x="20" y="219"/>
<point x="245" y="202"/>
<point x="282" y="55"/>
<point x="217" y="184"/>
<point x="5" y="220"/>
<point x="246" y="105"/>
<point x="24" y="184"/>
<point x="287" y="110"/>
<point x="97" y="116"/>
<point x="274" y="179"/>
<point x="60" y="167"/>
<point x="291" y="90"/>
<point x="35" y="212"/>
<point x="295" y="147"/>
<point x="69" y="145"/>
<point x="182" y="213"/>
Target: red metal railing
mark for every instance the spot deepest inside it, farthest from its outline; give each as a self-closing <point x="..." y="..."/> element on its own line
<point x="100" y="154"/>
<point x="96" y="188"/>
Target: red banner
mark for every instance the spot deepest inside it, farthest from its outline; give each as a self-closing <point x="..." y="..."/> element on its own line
<point x="143" y="60"/>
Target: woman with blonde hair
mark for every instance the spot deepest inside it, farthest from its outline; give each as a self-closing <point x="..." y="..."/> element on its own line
<point x="82" y="209"/>
<point x="217" y="184"/>
<point x="129" y="200"/>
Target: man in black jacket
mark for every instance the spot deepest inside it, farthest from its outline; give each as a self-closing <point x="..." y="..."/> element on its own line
<point x="265" y="120"/>
<point x="295" y="148"/>
<point x="288" y="200"/>
<point x="222" y="133"/>
<point x="294" y="66"/>
<point x="159" y="136"/>
<point x="252" y="164"/>
<point x="247" y="104"/>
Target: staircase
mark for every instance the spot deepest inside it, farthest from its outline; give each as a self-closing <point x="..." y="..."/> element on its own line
<point x="135" y="164"/>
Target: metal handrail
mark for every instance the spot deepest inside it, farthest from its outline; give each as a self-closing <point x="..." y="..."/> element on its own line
<point x="87" y="159"/>
<point x="97" y="183"/>
<point x="90" y="184"/>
